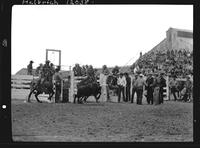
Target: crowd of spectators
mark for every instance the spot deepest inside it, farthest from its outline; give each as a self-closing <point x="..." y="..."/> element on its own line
<point x="172" y="62"/>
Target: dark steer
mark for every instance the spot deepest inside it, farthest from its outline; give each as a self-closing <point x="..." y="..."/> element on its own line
<point x="84" y="91"/>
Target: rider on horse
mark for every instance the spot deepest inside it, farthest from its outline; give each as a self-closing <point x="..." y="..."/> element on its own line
<point x="46" y="73"/>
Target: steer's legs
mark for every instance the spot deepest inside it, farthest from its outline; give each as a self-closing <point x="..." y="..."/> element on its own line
<point x="75" y="98"/>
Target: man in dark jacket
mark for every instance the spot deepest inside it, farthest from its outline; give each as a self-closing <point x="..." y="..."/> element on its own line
<point x="128" y="87"/>
<point x="47" y="70"/>
<point x="150" y="88"/>
<point x="162" y="84"/>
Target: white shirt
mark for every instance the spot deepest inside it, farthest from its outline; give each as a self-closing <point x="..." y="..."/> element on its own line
<point x="102" y="79"/>
<point x="121" y="81"/>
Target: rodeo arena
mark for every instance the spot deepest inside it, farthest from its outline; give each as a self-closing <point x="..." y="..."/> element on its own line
<point x="150" y="100"/>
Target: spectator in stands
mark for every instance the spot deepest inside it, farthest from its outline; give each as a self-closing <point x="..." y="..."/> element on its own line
<point x="140" y="83"/>
<point x="128" y="87"/>
<point x="121" y="82"/>
<point x="30" y="68"/>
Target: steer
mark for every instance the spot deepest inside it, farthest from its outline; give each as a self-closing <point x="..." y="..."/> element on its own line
<point x="86" y="90"/>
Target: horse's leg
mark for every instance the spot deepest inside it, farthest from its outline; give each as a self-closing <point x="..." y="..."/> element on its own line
<point x="36" y="96"/>
<point x="30" y="95"/>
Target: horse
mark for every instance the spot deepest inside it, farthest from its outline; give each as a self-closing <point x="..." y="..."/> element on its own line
<point x="37" y="88"/>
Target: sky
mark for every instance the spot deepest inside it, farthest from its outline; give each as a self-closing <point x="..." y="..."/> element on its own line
<point x="91" y="34"/>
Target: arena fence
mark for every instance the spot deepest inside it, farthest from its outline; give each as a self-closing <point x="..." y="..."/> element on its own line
<point x="20" y="87"/>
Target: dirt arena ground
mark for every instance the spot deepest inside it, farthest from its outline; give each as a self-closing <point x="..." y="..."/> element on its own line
<point x="102" y="122"/>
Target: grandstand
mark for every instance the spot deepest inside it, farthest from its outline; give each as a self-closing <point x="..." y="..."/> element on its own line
<point x="176" y="48"/>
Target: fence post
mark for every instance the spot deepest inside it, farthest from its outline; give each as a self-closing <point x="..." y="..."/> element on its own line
<point x="54" y="88"/>
<point x="167" y="89"/>
<point x="71" y="86"/>
<point x="61" y="95"/>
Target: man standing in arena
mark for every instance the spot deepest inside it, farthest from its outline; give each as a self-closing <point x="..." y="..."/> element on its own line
<point x="149" y="87"/>
<point x="57" y="79"/>
<point x="121" y="82"/>
<point x="140" y="83"/>
<point x="173" y="87"/>
<point x="133" y="87"/>
<point x="128" y="87"/>
<point x="162" y="85"/>
<point x="30" y="68"/>
<point x="188" y="85"/>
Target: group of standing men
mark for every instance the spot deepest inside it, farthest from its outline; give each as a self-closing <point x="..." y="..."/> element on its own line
<point x="152" y="84"/>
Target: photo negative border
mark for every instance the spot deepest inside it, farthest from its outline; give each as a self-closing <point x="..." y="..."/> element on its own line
<point x="5" y="64"/>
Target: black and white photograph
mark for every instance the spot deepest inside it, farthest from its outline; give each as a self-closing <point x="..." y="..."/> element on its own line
<point x="102" y="73"/>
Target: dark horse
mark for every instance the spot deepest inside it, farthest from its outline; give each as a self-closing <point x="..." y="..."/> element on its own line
<point x="38" y="88"/>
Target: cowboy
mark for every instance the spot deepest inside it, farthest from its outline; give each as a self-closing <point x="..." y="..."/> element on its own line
<point x="52" y="69"/>
<point x="162" y="85"/>
<point x="149" y="87"/>
<point x="128" y="87"/>
<point x="57" y="79"/>
<point x="188" y="85"/>
<point x="121" y="82"/>
<point x="173" y="87"/>
<point x="140" y="83"/>
<point x="39" y="70"/>
<point x="30" y="68"/>
<point x="133" y="87"/>
<point x="46" y="72"/>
